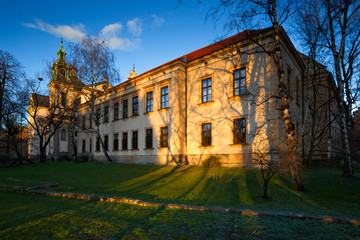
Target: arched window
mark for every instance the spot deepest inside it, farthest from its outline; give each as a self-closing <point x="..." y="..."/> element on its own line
<point x="63" y="135"/>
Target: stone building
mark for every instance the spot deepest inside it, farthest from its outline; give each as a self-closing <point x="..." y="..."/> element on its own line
<point x="220" y="100"/>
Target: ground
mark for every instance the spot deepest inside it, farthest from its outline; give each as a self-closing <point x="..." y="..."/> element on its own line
<point x="39" y="217"/>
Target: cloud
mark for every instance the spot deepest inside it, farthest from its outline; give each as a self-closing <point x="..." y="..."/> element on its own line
<point x="124" y="44"/>
<point x="157" y="21"/>
<point x="111" y="29"/>
<point x="134" y="26"/>
<point x="71" y="33"/>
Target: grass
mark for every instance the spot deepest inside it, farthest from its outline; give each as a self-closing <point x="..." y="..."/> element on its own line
<point x="38" y="217"/>
<point x="327" y="193"/>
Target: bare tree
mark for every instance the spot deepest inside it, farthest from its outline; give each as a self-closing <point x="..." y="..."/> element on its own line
<point x="95" y="63"/>
<point x="44" y="118"/>
<point x="244" y="13"/>
<point x="338" y="25"/>
<point x="11" y="75"/>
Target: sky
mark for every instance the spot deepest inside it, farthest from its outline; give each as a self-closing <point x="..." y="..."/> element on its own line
<point x="141" y="33"/>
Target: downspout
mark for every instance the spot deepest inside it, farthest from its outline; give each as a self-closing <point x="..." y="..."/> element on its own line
<point x="186" y="113"/>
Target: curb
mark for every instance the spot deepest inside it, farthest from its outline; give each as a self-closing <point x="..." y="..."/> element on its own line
<point x="93" y="197"/>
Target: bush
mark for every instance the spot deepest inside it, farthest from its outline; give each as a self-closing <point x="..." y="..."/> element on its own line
<point x="212" y="161"/>
<point x="64" y="158"/>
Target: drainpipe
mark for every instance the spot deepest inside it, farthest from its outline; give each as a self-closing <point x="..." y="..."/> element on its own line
<point x="186" y="108"/>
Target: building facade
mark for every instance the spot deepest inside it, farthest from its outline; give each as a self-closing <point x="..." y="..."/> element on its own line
<point x="221" y="100"/>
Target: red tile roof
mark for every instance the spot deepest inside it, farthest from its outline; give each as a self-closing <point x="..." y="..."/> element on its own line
<point x="212" y="48"/>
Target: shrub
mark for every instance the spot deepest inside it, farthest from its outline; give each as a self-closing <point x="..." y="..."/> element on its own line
<point x="212" y="161"/>
<point x="83" y="157"/>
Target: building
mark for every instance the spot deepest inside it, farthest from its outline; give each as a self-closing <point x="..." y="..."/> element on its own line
<point x="219" y="100"/>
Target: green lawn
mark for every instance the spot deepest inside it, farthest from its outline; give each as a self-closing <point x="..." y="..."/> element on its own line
<point x="28" y="216"/>
<point x="327" y="193"/>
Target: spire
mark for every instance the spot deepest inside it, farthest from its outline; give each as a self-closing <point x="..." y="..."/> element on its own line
<point x="61" y="53"/>
<point x="132" y="73"/>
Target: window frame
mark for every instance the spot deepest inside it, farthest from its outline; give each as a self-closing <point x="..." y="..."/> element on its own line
<point x="97" y="144"/>
<point x="124" y="144"/>
<point x="125" y="107"/>
<point x="149" y="102"/>
<point x="83" y="146"/>
<point x="206" y="135"/>
<point x="242" y="90"/>
<point x="164" y="138"/>
<point x="239" y="132"/>
<point x="116" y="111"/>
<point x="116" y="142"/>
<point x="208" y="90"/>
<point x="135" y="106"/>
<point x="135" y="140"/>
<point x="63" y="135"/>
<point x="164" y="98"/>
<point x="106" y="114"/>
<point x="149" y="138"/>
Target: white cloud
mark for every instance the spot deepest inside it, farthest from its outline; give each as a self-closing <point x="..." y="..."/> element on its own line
<point x="71" y="33"/>
<point x="111" y="29"/>
<point x="134" y="26"/>
<point x="157" y="21"/>
<point x="124" y="44"/>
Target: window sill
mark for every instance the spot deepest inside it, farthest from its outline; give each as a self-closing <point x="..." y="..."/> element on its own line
<point x="148" y="149"/>
<point x="164" y="109"/>
<point x="135" y="149"/>
<point x="208" y="146"/>
<point x="115" y="150"/>
<point x="238" y="144"/>
<point x="115" y="120"/>
<point x="134" y="116"/>
<point x="124" y="150"/>
<point x="238" y="97"/>
<point x="163" y="147"/>
<point x="124" y="118"/>
<point x="205" y="103"/>
<point x="148" y="113"/>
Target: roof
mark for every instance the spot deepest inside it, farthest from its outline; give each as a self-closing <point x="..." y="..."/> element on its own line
<point x="211" y="48"/>
<point x="42" y="100"/>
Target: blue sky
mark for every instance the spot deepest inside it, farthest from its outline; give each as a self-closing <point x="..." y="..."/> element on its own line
<point x="144" y="33"/>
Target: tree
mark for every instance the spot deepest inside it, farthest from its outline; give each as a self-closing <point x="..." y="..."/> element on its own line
<point x="45" y="117"/>
<point x="243" y="13"/>
<point x="11" y="75"/>
<point x="338" y="25"/>
<point x="95" y="63"/>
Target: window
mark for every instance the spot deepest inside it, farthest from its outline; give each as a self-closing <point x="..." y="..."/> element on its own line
<point x="206" y="90"/>
<point x="116" y="111"/>
<point x="135" y="106"/>
<point x="206" y="134"/>
<point x="84" y="122"/>
<point x="63" y="135"/>
<point x="106" y="114"/>
<point x="289" y="75"/>
<point x="149" y="101"/>
<point x="125" y="141"/>
<point x="106" y="142"/>
<point x="90" y="145"/>
<point x="116" y="142"/>
<point x="164" y="137"/>
<point x="97" y="144"/>
<point x="83" y="145"/>
<point x="239" y="82"/>
<point x="90" y="120"/>
<point x="134" y="140"/>
<point x="239" y="131"/>
<point x="165" y="97"/>
<point x="297" y="91"/>
<point x="149" y="138"/>
<point x="125" y="108"/>
<point x="98" y="114"/>
<point x="63" y="99"/>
